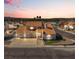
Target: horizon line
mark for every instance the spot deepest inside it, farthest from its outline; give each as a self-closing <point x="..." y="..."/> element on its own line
<point x="41" y="17"/>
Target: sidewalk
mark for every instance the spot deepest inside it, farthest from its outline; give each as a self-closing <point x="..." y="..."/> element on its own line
<point x="60" y="46"/>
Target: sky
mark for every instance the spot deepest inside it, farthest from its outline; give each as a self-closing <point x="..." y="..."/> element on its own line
<point x="44" y="8"/>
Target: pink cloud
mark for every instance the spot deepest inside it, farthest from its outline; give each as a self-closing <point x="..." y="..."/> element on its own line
<point x="8" y="1"/>
<point x="11" y="2"/>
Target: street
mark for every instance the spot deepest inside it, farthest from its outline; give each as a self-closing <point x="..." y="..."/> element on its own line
<point x="65" y="34"/>
<point x="39" y="53"/>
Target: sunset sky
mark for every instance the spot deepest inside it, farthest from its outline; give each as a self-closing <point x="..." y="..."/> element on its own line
<point x="44" y="8"/>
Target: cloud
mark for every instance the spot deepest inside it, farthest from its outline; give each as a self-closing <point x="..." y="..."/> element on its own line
<point x="11" y="2"/>
<point x="8" y="1"/>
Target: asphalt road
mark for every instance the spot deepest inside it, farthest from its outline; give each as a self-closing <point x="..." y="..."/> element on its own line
<point x="65" y="34"/>
<point x="39" y="53"/>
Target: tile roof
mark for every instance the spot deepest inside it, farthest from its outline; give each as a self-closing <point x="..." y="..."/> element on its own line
<point x="47" y="31"/>
<point x="33" y="23"/>
<point x="22" y="30"/>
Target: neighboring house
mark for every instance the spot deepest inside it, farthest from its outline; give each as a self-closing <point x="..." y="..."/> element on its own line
<point x="12" y="26"/>
<point x="66" y="27"/>
<point x="69" y="25"/>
